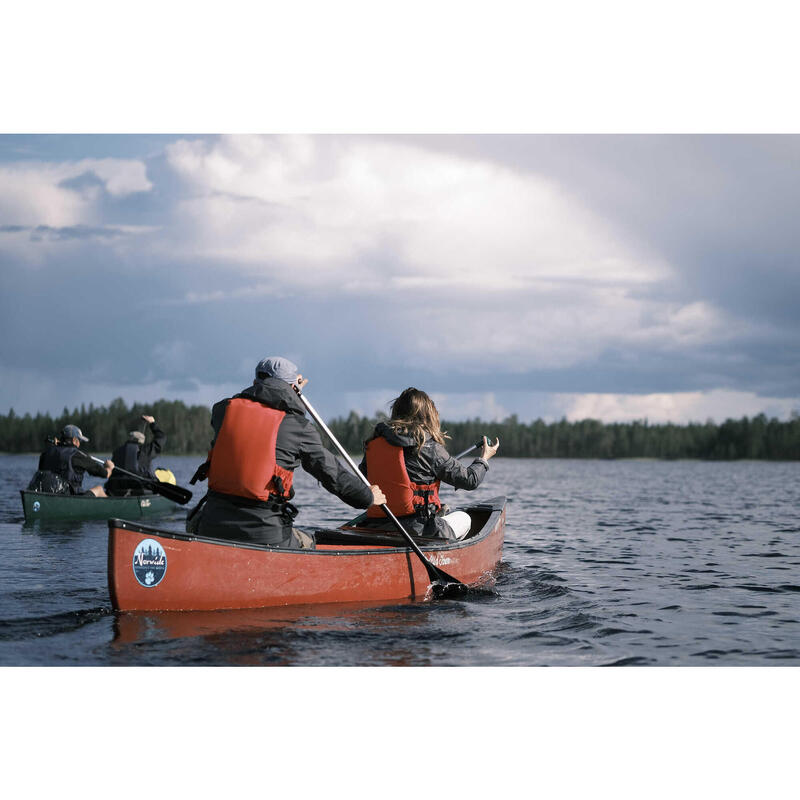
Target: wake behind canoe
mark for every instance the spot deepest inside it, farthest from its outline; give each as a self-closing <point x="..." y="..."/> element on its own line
<point x="46" y="506"/>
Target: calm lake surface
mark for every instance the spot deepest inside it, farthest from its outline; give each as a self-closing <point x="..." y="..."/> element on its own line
<point x="605" y="563"/>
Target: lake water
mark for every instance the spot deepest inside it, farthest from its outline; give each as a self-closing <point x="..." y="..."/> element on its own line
<point x="605" y="563"/>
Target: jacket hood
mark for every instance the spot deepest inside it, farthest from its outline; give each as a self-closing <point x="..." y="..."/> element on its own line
<point x="275" y="393"/>
<point x="397" y="439"/>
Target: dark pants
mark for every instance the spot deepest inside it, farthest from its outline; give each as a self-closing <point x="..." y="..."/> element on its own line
<point x="125" y="487"/>
<point x="222" y="518"/>
<point x="433" y="527"/>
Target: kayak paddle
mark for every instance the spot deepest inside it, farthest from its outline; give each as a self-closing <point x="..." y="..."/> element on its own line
<point x="169" y="490"/>
<point x="441" y="582"/>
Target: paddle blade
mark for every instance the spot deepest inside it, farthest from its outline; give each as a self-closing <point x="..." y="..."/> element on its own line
<point x="172" y="492"/>
<point x="450" y="588"/>
<point x="444" y="585"/>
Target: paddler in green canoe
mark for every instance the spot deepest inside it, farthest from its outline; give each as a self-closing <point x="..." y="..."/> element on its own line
<point x="62" y="466"/>
<point x="136" y="456"/>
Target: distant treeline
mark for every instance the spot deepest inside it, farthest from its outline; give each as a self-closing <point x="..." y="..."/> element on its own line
<point x="188" y="430"/>
<point x="758" y="437"/>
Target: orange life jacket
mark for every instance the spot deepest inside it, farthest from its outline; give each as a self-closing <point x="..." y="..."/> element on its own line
<point x="386" y="467"/>
<point x="243" y="461"/>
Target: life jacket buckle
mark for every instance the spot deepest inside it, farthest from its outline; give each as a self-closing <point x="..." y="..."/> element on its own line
<point x="289" y="511"/>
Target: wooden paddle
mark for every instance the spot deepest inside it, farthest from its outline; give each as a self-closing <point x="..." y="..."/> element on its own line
<point x="441" y="582"/>
<point x="169" y="490"/>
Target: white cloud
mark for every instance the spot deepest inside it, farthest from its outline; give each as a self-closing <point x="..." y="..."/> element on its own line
<point x="121" y="176"/>
<point x="193" y="297"/>
<point x="326" y="206"/>
<point x="485" y="268"/>
<point x="678" y="407"/>
<point x="553" y="326"/>
<point x="483" y="405"/>
<point x="504" y="264"/>
<point x="32" y="193"/>
<point x="455" y="405"/>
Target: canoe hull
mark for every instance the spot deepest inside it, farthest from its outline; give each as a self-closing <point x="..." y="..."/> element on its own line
<point x="193" y="573"/>
<point x="54" y="507"/>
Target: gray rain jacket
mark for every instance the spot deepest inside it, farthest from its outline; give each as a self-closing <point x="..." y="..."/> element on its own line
<point x="298" y="444"/>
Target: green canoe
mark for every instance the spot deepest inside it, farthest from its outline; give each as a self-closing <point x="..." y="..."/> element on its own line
<point x="41" y="505"/>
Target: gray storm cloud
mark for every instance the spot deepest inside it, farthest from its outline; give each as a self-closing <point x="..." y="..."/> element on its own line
<point x="470" y="265"/>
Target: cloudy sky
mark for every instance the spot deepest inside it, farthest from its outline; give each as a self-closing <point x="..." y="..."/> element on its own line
<point x="606" y="276"/>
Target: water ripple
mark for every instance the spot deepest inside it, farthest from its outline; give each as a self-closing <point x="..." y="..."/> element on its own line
<point x="52" y="625"/>
<point x="612" y="563"/>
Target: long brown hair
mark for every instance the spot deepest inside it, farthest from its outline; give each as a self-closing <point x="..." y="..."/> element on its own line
<point x="414" y="414"/>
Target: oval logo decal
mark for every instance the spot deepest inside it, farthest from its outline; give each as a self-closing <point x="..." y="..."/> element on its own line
<point x="149" y="563"/>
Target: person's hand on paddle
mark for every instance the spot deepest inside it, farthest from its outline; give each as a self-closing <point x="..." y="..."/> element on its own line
<point x="148" y="418"/>
<point x="378" y="497"/>
<point x="109" y="465"/>
<point x="489" y="449"/>
<point x="301" y="382"/>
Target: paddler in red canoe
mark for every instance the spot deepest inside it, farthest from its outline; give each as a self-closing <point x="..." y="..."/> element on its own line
<point x="407" y="457"/>
<point x="261" y="436"/>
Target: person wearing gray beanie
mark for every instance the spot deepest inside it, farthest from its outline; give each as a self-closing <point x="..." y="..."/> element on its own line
<point x="261" y="436"/>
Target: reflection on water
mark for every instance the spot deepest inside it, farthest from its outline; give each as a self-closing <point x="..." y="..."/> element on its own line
<point x="275" y="636"/>
<point x="157" y="625"/>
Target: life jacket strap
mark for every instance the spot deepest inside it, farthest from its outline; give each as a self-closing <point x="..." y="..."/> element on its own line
<point x="201" y="473"/>
<point x="273" y="503"/>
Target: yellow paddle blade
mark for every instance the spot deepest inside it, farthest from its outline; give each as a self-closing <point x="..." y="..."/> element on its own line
<point x="165" y="476"/>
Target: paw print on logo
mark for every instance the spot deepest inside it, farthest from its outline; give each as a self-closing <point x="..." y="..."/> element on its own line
<point x="149" y="577"/>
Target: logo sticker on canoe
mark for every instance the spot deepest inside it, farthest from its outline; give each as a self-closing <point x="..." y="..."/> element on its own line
<point x="36" y="505"/>
<point x="149" y="563"/>
<point x="144" y="503"/>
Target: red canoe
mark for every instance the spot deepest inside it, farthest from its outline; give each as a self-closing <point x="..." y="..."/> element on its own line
<point x="150" y="569"/>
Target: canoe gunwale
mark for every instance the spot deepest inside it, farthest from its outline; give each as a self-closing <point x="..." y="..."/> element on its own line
<point x="494" y="506"/>
<point x="56" y="507"/>
<point x="64" y="496"/>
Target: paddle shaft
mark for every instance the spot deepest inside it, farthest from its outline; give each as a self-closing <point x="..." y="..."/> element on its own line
<point x="176" y="493"/>
<point x="124" y="471"/>
<point x="434" y="573"/>
<point x="470" y="449"/>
